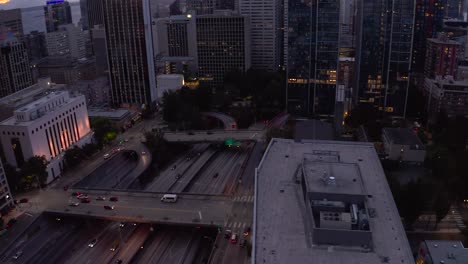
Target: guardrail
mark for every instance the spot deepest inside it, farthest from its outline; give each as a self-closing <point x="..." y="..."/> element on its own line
<point x="204" y="132"/>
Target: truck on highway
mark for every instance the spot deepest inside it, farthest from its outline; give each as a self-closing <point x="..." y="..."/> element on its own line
<point x="169" y="198"/>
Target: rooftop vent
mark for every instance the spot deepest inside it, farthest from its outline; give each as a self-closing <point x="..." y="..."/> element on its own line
<point x="331" y="180"/>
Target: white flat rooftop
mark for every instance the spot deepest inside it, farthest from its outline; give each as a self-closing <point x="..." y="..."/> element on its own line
<point x="281" y="234"/>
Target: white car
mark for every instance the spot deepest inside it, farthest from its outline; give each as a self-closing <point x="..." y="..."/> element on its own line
<point x="143" y="153"/>
<point x="18" y="254"/>
<point x="74" y="204"/>
<point x="106" y="156"/>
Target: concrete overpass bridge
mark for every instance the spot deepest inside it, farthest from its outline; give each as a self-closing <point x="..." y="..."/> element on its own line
<point x="214" y="135"/>
<point x="144" y="207"/>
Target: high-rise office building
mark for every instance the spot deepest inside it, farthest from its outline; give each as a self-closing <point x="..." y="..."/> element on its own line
<point x="175" y="46"/>
<point x="442" y="57"/>
<point x="91" y="13"/>
<point x="312" y="48"/>
<point x="36" y="45"/>
<point x="130" y="52"/>
<point x="385" y="31"/>
<point x="454" y="8"/>
<point x="57" y="13"/>
<point x="428" y="20"/>
<point x="265" y="34"/>
<point x="100" y="48"/>
<point x="223" y="45"/>
<point x="67" y="40"/>
<point x="11" y="20"/>
<point x="14" y="65"/>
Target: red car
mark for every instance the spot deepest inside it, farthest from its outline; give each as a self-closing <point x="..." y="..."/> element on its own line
<point x="85" y="200"/>
<point x="114" y="199"/>
<point x="76" y="193"/>
<point x="24" y="200"/>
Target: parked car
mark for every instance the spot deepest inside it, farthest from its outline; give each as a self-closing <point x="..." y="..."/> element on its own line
<point x="227" y="234"/>
<point x="109" y="207"/>
<point x="247" y="231"/>
<point x="106" y="156"/>
<point x="233" y="239"/>
<point x="114" y="199"/>
<point x="174" y="167"/>
<point x="24" y="200"/>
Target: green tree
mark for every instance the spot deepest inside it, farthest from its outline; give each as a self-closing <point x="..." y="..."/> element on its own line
<point x="411" y="203"/>
<point x="104" y="130"/>
<point x="441" y="206"/>
<point x="74" y="156"/>
<point x="89" y="149"/>
<point x="35" y="170"/>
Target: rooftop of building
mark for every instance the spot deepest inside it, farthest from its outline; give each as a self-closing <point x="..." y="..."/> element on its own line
<point x="319" y="174"/>
<point x="171" y="76"/>
<point x="444" y="41"/>
<point x="114" y="114"/>
<point x="402" y="136"/>
<point x="47" y="103"/>
<point x="447" y="252"/>
<point x="279" y="239"/>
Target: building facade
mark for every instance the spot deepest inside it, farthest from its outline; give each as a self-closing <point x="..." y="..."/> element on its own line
<point x="67" y="41"/>
<point x="14" y="66"/>
<point x="442" y="57"/>
<point x="428" y="21"/>
<point x="98" y="34"/>
<point x="384" y="44"/>
<point x="11" y="21"/>
<point x="176" y="44"/>
<point x="446" y="95"/>
<point x="312" y="49"/>
<point x="265" y="32"/>
<point x="57" y="13"/>
<point x="442" y="251"/>
<point x="402" y="144"/>
<point x="130" y="52"/>
<point x="46" y="127"/>
<point x="6" y="199"/>
<point x="66" y="70"/>
<point x="36" y="45"/>
<point x="91" y="13"/>
<point x="223" y="45"/>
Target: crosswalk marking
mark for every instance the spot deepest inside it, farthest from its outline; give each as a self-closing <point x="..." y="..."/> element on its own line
<point x="244" y="199"/>
<point x="457" y="217"/>
<point x="235" y="226"/>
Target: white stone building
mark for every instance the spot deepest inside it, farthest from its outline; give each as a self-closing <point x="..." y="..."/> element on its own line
<point x="46" y="127"/>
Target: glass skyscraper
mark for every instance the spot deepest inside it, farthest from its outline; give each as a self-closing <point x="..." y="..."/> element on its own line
<point x="385" y="31"/>
<point x="312" y="43"/>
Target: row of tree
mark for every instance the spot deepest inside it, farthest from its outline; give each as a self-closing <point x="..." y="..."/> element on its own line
<point x="74" y="156"/>
<point x="32" y="174"/>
